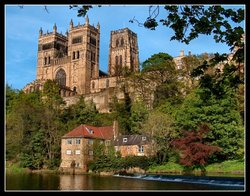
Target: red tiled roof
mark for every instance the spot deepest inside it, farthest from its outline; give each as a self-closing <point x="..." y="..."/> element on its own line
<point x="91" y="132"/>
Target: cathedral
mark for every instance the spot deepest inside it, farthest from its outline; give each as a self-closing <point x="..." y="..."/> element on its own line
<point x="73" y="61"/>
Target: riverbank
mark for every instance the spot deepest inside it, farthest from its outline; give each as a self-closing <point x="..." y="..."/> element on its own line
<point x="14" y="168"/>
<point x="226" y="168"/>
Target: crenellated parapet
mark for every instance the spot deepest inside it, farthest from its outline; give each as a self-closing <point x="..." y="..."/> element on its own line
<point x="35" y="85"/>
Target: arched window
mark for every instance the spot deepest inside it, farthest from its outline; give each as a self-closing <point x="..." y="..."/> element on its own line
<point x="78" y="55"/>
<point x="120" y="59"/>
<point x="74" y="54"/>
<point x="117" y="43"/>
<point x="61" y="77"/>
<point x="116" y="60"/>
<point x="92" y="71"/>
<point x="122" y="42"/>
<point x="49" y="60"/>
<point x="107" y="83"/>
<point x="45" y="60"/>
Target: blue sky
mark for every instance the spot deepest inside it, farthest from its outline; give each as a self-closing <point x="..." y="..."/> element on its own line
<point x="22" y="29"/>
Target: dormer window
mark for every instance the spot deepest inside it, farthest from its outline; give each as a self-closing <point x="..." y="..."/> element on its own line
<point x="90" y="130"/>
<point x="125" y="139"/>
<point x="143" y="138"/>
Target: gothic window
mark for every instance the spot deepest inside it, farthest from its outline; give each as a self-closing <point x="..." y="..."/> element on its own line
<point x="49" y="60"/>
<point x="61" y="77"/>
<point x="93" y="41"/>
<point x="92" y="56"/>
<point x="45" y="60"/>
<point x="122" y="42"/>
<point x="92" y="70"/>
<point x="78" y="55"/>
<point x="117" y="43"/>
<point x="74" y="54"/>
<point x="107" y="83"/>
<point x="77" y="40"/>
<point x="74" y="89"/>
<point x="116" y="60"/>
<point x="120" y="59"/>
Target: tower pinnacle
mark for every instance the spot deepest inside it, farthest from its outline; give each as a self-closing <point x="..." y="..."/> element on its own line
<point x="40" y="32"/>
<point x="87" y="20"/>
<point x="71" y="24"/>
<point x="54" y="28"/>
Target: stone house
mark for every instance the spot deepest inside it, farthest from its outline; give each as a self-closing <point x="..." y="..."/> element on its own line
<point x="77" y="146"/>
<point x="132" y="145"/>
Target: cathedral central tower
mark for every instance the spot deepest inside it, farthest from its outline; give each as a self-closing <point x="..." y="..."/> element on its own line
<point x="123" y="52"/>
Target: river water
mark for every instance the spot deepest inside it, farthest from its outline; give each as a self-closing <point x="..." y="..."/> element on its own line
<point x="88" y="182"/>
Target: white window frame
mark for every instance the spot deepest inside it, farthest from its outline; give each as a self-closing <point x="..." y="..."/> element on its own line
<point x="68" y="152"/>
<point x="124" y="139"/>
<point x="141" y="149"/>
<point x="144" y="138"/>
<point x="78" y="141"/>
<point x="77" y="164"/>
<point x="90" y="141"/>
<point x="69" y="141"/>
<point x="78" y="152"/>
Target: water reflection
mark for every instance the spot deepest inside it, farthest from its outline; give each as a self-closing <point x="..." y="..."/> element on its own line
<point x="75" y="182"/>
<point x="95" y="182"/>
<point x="114" y="183"/>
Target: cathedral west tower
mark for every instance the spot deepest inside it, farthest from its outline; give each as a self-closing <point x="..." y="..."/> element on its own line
<point x="71" y="59"/>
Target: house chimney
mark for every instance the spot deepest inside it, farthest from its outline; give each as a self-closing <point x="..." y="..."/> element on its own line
<point x="182" y="53"/>
<point x="115" y="129"/>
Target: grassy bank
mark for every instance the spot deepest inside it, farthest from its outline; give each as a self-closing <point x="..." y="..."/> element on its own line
<point x="14" y="168"/>
<point x="166" y="168"/>
<point x="231" y="167"/>
<point x="226" y="167"/>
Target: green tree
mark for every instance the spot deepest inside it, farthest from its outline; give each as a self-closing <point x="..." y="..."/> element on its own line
<point x="81" y="113"/>
<point x="160" y="128"/>
<point x="139" y="114"/>
<point x="161" y="70"/>
<point x="188" y="22"/>
<point x="51" y="94"/>
<point x="51" y="122"/>
<point x="10" y="95"/>
<point x="22" y="123"/>
<point x="188" y="63"/>
<point x="122" y="113"/>
<point x="222" y="116"/>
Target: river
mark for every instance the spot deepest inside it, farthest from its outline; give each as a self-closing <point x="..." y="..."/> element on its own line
<point x="90" y="182"/>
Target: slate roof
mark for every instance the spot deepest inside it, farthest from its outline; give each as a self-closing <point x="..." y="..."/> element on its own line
<point x="88" y="131"/>
<point x="131" y="140"/>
